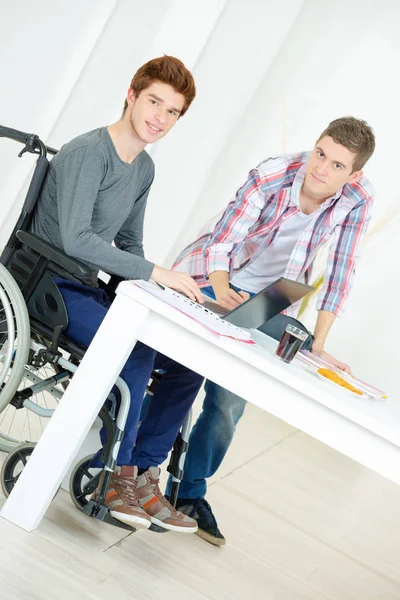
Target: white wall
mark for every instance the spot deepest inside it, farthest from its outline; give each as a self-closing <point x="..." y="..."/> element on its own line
<point x="239" y="52"/>
<point x="75" y="77"/>
<point x="270" y="76"/>
<point x="43" y="49"/>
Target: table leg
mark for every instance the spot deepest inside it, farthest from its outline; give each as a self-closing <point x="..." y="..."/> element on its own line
<point x="75" y="413"/>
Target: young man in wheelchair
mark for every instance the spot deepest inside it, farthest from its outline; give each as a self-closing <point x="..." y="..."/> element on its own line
<point x="95" y="193"/>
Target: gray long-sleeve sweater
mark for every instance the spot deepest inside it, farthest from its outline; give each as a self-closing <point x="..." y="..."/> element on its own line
<point x="91" y="198"/>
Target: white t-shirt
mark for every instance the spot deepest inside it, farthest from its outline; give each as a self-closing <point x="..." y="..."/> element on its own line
<point x="271" y="263"/>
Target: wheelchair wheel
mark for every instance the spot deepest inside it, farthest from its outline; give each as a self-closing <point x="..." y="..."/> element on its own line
<point x="18" y="426"/>
<point x="14" y="336"/>
<point x="83" y="482"/>
<point x="13" y="466"/>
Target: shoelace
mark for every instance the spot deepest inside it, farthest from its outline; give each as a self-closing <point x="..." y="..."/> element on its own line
<point x="126" y="488"/>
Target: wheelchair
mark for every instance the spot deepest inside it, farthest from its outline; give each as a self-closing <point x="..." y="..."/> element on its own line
<point x="37" y="360"/>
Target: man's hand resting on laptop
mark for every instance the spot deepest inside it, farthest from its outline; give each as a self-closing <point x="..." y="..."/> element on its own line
<point x="225" y="295"/>
<point x="181" y="282"/>
<point x="229" y="298"/>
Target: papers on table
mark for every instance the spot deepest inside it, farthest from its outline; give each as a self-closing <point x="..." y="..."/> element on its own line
<point x="202" y="315"/>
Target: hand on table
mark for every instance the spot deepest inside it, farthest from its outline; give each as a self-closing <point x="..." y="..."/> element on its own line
<point x="331" y="359"/>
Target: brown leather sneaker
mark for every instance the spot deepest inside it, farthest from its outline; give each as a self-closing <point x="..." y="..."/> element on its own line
<point x="121" y="498"/>
<point x="160" y="511"/>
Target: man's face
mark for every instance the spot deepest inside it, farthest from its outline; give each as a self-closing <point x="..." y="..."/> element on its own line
<point x="329" y="167"/>
<point x="154" y="111"/>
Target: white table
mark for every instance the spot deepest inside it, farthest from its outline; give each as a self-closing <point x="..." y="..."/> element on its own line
<point x="366" y="431"/>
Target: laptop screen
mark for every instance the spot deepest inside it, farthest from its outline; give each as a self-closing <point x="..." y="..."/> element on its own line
<point x="266" y="304"/>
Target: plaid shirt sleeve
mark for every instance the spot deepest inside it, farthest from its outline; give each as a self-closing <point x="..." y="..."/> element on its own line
<point x="236" y="220"/>
<point x="343" y="256"/>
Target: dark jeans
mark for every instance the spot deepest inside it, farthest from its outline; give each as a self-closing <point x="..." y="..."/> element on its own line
<point x="87" y="307"/>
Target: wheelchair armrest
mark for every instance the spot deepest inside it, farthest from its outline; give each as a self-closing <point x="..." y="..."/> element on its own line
<point x="73" y="266"/>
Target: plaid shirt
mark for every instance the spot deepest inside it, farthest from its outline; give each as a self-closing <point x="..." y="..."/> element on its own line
<point x="252" y="220"/>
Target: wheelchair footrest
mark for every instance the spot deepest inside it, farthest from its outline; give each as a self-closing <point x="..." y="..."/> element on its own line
<point x="158" y="529"/>
<point x="102" y="513"/>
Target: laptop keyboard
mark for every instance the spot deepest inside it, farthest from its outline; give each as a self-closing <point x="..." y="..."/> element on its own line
<point x="215" y="308"/>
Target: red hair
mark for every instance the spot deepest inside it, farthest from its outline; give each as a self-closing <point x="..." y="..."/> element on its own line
<point x="169" y="70"/>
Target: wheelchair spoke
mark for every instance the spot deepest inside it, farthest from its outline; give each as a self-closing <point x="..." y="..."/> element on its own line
<point x="22" y="457"/>
<point x="18" y="347"/>
<point x="13" y="466"/>
<point x="14" y="349"/>
<point x="80" y="496"/>
<point x="29" y="424"/>
<point x="24" y="425"/>
<point x="87" y="473"/>
<point x="3" y="416"/>
<point x="83" y="481"/>
<point x="13" y="480"/>
<point x="12" y="421"/>
<point x="44" y="400"/>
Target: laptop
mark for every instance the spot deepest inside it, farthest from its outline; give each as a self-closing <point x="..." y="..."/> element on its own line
<point x="261" y="307"/>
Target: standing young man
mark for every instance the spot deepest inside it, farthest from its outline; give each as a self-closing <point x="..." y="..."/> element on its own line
<point x="95" y="193"/>
<point x="287" y="209"/>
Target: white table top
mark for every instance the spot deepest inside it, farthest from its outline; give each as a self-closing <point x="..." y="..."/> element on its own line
<point x="381" y="417"/>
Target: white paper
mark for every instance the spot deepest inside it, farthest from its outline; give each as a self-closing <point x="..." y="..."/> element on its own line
<point x="194" y="310"/>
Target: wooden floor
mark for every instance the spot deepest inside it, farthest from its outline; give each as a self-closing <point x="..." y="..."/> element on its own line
<point x="301" y="522"/>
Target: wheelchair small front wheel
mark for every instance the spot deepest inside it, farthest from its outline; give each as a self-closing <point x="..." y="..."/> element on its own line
<point x="14" y="465"/>
<point x="83" y="482"/>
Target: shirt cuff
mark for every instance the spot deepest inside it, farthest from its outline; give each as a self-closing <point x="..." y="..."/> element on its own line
<point x="217" y="263"/>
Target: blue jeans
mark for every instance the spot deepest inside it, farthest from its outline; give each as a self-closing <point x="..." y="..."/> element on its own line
<point x="213" y="431"/>
<point x="87" y="307"/>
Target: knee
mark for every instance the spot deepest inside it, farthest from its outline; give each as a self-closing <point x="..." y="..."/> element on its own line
<point x="230" y="406"/>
